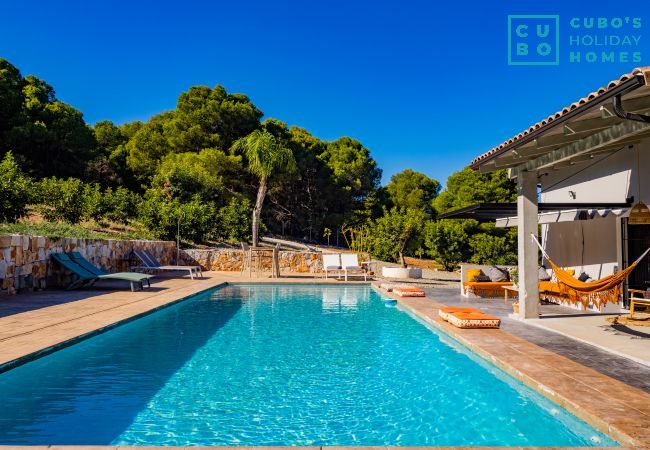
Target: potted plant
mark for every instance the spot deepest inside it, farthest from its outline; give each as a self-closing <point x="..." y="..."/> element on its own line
<point x="514" y="276"/>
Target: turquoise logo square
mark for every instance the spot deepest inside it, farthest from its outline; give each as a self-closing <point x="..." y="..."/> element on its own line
<point x="533" y="40"/>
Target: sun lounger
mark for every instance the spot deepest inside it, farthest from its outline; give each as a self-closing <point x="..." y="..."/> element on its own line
<point x="403" y="291"/>
<point x="88" y="274"/>
<point x="332" y="263"/>
<point x="149" y="262"/>
<point x="350" y="265"/>
<point x="473" y="320"/>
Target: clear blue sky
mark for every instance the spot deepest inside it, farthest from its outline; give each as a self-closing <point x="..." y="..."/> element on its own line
<point x="424" y="85"/>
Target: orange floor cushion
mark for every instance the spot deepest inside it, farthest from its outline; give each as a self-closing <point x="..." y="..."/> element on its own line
<point x="486" y="288"/>
<point x="445" y="312"/>
<point x="408" y="292"/>
<point x="473" y="320"/>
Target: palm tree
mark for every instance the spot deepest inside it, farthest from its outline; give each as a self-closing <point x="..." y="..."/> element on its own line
<point x="266" y="155"/>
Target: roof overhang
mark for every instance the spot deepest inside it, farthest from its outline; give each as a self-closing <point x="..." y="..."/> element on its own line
<point x="591" y="126"/>
<point x="492" y="211"/>
<point x="569" y="215"/>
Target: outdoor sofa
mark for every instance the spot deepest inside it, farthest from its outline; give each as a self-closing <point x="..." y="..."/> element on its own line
<point x="483" y="280"/>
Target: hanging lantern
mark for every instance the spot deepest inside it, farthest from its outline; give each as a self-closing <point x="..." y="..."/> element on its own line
<point x="639" y="214"/>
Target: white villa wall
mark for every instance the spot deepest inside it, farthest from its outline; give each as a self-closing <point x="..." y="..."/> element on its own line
<point x="594" y="246"/>
<point x="588" y="246"/>
<point x="602" y="180"/>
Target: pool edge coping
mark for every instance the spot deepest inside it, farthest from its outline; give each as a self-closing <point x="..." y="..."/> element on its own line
<point x="32" y="356"/>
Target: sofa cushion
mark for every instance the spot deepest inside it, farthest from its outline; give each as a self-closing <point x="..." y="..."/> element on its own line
<point x="472" y="273"/>
<point x="496" y="274"/>
<point x="583" y="277"/>
<point x="543" y="274"/>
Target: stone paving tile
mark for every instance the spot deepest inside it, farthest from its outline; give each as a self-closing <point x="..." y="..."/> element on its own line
<point x="617" y="367"/>
<point x="28" y="331"/>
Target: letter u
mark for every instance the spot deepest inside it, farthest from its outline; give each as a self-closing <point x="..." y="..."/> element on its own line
<point x="545" y="32"/>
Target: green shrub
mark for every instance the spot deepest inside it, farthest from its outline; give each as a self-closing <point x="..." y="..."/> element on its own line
<point x="396" y="233"/>
<point x="93" y="204"/>
<point x="56" y="230"/>
<point x="162" y="216"/>
<point x="62" y="200"/>
<point x="15" y="189"/>
<point x="235" y="221"/>
<point x="447" y="241"/>
<point x="121" y="204"/>
<point x="490" y="249"/>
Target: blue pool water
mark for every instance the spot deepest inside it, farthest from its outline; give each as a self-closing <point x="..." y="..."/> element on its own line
<point x="277" y="365"/>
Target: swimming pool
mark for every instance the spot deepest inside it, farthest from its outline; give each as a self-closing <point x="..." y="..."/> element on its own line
<point x="277" y="365"/>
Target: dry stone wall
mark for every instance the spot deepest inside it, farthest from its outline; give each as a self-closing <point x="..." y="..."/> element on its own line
<point x="25" y="262"/>
<point x="223" y="259"/>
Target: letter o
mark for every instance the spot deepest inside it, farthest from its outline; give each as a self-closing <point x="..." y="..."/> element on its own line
<point x="544" y="49"/>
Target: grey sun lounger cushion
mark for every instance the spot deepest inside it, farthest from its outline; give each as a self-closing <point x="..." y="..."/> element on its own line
<point x="149" y="262"/>
<point x="87" y="273"/>
<point x="157" y="263"/>
<point x="83" y="262"/>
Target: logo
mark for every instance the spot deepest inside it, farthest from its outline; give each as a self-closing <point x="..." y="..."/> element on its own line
<point x="533" y="40"/>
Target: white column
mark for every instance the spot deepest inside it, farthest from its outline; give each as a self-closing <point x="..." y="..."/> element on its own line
<point x="527" y="251"/>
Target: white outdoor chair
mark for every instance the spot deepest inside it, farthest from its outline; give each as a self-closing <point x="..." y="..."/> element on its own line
<point x="350" y="263"/>
<point x="331" y="263"/>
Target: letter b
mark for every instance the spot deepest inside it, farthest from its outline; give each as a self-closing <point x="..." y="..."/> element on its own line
<point x="522" y="49"/>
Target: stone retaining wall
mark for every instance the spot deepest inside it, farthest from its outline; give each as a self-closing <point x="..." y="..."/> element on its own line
<point x="224" y="259"/>
<point x="25" y="261"/>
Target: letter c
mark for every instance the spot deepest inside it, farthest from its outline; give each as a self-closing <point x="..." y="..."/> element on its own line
<point x="520" y="33"/>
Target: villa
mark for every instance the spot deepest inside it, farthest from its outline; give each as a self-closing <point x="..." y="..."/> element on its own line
<point x="217" y="353"/>
<point x="581" y="177"/>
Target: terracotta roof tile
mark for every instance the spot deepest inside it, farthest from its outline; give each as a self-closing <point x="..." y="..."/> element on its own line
<point x="645" y="71"/>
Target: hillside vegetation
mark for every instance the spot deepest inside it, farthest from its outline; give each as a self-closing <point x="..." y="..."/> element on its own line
<point x="192" y="166"/>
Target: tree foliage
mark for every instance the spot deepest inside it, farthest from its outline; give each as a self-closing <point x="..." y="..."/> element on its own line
<point x="467" y="187"/>
<point x="396" y="233"/>
<point x="413" y="190"/>
<point x="453" y="241"/>
<point x="447" y="241"/>
<point x="265" y="155"/>
<point x="47" y="137"/>
<point x="15" y="189"/>
<point x="184" y="156"/>
<point x="235" y="221"/>
<point x="211" y="174"/>
<point x="491" y="248"/>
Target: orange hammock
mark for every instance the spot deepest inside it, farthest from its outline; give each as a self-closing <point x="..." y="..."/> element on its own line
<point x="598" y="292"/>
